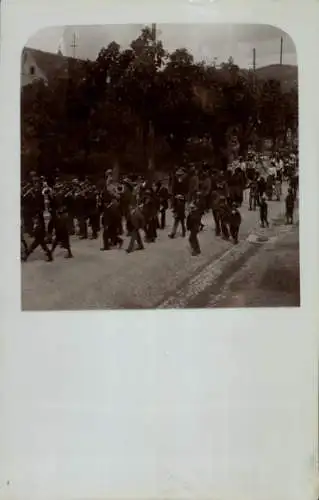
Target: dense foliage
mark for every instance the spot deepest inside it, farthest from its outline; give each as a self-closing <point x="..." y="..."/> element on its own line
<point x="140" y="104"/>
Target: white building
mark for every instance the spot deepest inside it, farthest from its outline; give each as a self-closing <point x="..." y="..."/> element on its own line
<point x="37" y="64"/>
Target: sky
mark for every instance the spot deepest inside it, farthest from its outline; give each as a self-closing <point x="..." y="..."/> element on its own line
<point x="204" y="41"/>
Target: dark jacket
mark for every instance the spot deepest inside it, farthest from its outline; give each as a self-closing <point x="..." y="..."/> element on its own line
<point x="179" y="208"/>
<point x="235" y="218"/>
<point x="290" y="202"/>
<point x="193" y="220"/>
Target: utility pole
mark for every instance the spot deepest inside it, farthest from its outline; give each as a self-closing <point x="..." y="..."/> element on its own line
<point x="74" y="45"/>
<point x="254" y="69"/>
<point x="151" y="134"/>
<point x="254" y="60"/>
<point x="281" y="49"/>
<point x="154" y="32"/>
<point x="255" y="119"/>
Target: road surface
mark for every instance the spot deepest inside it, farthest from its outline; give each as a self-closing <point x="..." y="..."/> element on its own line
<point x="164" y="274"/>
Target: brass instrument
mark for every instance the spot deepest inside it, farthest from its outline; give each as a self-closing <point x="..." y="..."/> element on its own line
<point x="30" y="190"/>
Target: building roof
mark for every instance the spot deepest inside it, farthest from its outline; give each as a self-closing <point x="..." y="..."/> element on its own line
<point x="49" y="63"/>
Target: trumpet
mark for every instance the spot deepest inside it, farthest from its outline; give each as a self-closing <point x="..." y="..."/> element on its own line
<point x="30" y="190"/>
<point x="120" y="189"/>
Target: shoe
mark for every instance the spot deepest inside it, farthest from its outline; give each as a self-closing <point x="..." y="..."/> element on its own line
<point x="49" y="258"/>
<point x="171" y="236"/>
<point x="120" y="244"/>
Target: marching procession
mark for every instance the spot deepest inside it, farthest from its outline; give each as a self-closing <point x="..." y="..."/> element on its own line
<point x="54" y="210"/>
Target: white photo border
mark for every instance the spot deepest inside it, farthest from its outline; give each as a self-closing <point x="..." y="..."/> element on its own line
<point x="158" y="404"/>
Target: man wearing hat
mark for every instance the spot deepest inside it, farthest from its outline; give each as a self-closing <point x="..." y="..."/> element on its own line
<point x="253" y="194"/>
<point x="150" y="216"/>
<point x="290" y="204"/>
<point x="215" y="209"/>
<point x="112" y="221"/>
<point x="82" y="211"/>
<point x="234" y="222"/>
<point x="294" y="182"/>
<point x="62" y="233"/>
<point x="179" y="215"/>
<point x="193" y="184"/>
<point x="163" y="196"/>
<point x="193" y="226"/>
<point x="224" y="214"/>
<point x="39" y="238"/>
<point x="263" y="210"/>
<point x="180" y="183"/>
<point x="93" y="212"/>
<point x="138" y="223"/>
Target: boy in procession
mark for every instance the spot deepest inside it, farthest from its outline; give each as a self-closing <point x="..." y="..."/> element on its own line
<point x="179" y="215"/>
<point x="263" y="210"/>
<point x="193" y="226"/>
<point x="290" y="205"/>
<point x="39" y="239"/>
<point x="234" y="222"/>
<point x="62" y="233"/>
<point x="220" y="191"/>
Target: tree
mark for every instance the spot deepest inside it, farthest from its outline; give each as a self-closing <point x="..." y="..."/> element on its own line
<point x="140" y="90"/>
<point x="178" y="111"/>
<point x="128" y="101"/>
<point x="272" y="111"/>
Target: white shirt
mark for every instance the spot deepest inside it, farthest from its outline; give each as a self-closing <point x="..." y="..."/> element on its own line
<point x="272" y="170"/>
<point x="243" y="165"/>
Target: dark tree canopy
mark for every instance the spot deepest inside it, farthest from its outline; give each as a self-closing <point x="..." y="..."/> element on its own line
<point x="104" y="108"/>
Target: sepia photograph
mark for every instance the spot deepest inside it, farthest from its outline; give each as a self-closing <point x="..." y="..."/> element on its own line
<point x="159" y="168"/>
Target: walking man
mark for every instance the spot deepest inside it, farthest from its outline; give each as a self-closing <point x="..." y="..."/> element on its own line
<point x="263" y="210"/>
<point x="137" y="223"/>
<point x="39" y="238"/>
<point x="193" y="226"/>
<point x="62" y="232"/>
<point x="179" y="215"/>
<point x="290" y="205"/>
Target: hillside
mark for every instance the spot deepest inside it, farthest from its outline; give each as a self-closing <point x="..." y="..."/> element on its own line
<point x="51" y="64"/>
<point x="286" y="74"/>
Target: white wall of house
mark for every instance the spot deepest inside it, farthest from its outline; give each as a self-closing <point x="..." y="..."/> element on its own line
<point x="29" y="70"/>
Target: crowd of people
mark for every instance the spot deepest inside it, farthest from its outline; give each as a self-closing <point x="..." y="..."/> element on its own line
<point x="52" y="210"/>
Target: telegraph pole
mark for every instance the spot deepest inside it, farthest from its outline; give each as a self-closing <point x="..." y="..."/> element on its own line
<point x="254" y="82"/>
<point x="151" y="134"/>
<point x="74" y="45"/>
<point x="154" y="32"/>
<point x="254" y="69"/>
<point x="281" y="49"/>
<point x="254" y="60"/>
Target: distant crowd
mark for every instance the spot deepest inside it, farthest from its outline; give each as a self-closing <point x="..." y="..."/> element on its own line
<point x="52" y="210"/>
